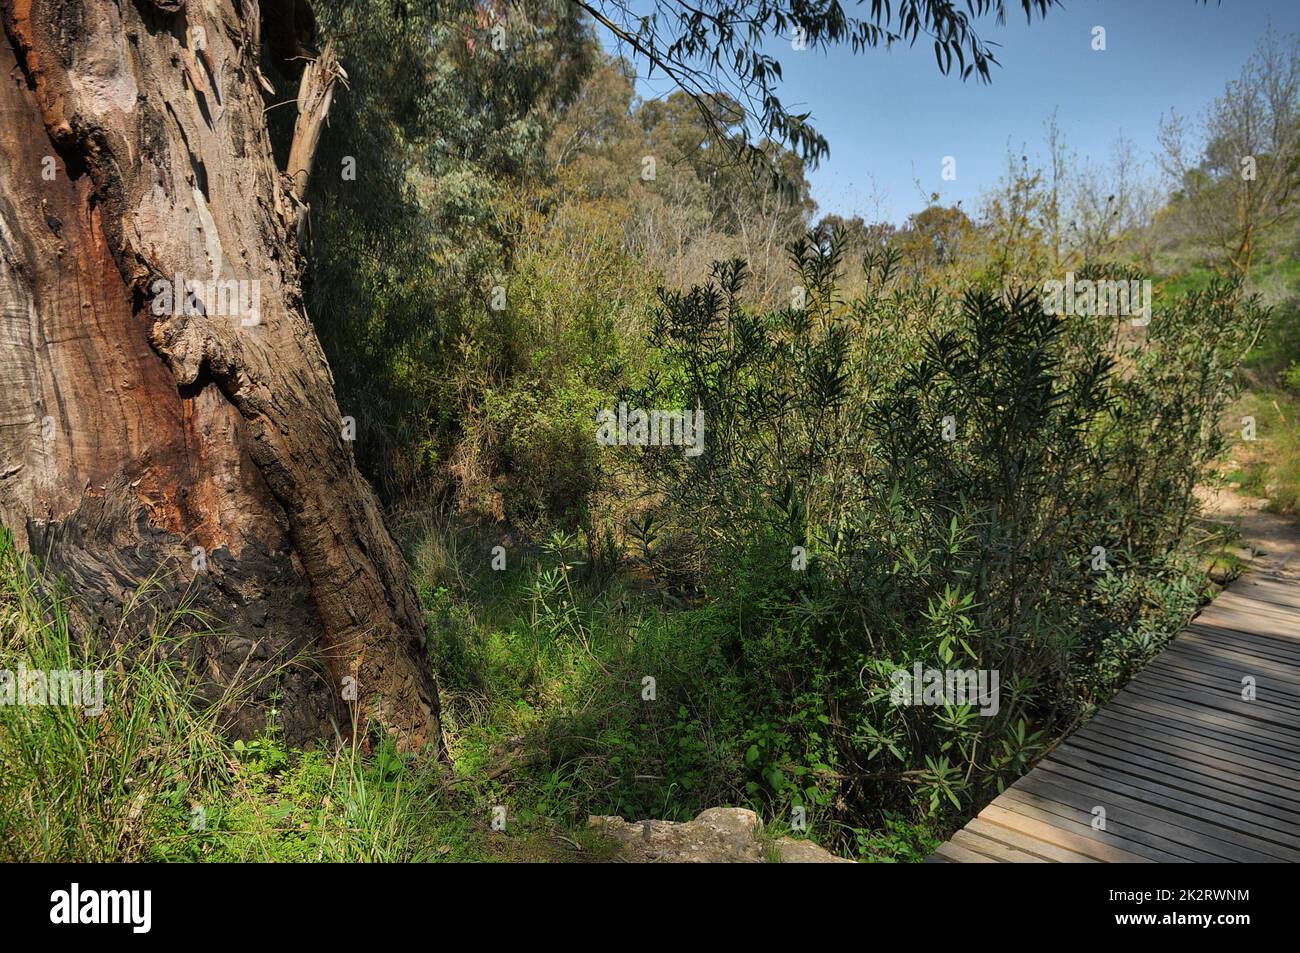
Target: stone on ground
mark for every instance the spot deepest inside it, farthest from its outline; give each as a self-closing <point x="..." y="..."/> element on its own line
<point x="726" y="835"/>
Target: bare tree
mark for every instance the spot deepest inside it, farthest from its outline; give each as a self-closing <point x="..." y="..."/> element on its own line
<point x="1112" y="205"/>
<point x="1236" y="175"/>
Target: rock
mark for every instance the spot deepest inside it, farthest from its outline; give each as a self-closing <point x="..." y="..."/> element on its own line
<point x="725" y="835"/>
<point x="806" y="852"/>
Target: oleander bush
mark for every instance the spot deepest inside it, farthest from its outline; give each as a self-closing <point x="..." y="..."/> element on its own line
<point x="961" y="480"/>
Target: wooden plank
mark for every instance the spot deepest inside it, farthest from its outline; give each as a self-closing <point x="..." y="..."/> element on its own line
<point x="1214" y="643"/>
<point x="1187" y="770"/>
<point x="1129" y="815"/>
<point x="1189" y="774"/>
<point x="1271" y="734"/>
<point x="1241" y="602"/>
<point x="1281" y="688"/>
<point x="961" y="855"/>
<point x="1277" y="633"/>
<point x="1207" y="820"/>
<point x="1147" y="710"/>
<point x="1222" y="807"/>
<point x="1172" y="770"/>
<point x="1027" y="842"/>
<point x="1249" y="622"/>
<point x="1193" y="698"/>
<point x="1142" y="719"/>
<point x="1278" y="597"/>
<point x="1191" y="778"/>
<point x="1225" y="692"/>
<point x="1228" y="816"/>
<point x="999" y="851"/>
<point x="1267" y="692"/>
<point x="1257" y="587"/>
<point x="1281" y="737"/>
<point x="1264" y="646"/>
<point x="1062" y="832"/>
<point x="1221" y="697"/>
<point x="1135" y="841"/>
<point x="1209" y="622"/>
<point x="1232" y="660"/>
<point x="1172" y="736"/>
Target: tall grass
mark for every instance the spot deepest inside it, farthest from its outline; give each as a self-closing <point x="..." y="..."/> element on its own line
<point x="83" y="786"/>
<point x="152" y="777"/>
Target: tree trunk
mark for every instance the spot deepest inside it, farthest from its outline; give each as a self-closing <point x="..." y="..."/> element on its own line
<point x="146" y="432"/>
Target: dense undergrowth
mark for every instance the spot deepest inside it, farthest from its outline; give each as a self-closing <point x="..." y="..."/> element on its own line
<point x="148" y="776"/>
<point x="966" y="483"/>
<point x="1266" y="467"/>
<point x="830" y="535"/>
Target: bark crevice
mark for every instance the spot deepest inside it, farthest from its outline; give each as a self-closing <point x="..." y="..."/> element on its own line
<point x="234" y="437"/>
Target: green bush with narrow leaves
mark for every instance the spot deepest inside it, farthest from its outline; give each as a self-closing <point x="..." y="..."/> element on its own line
<point x="964" y="481"/>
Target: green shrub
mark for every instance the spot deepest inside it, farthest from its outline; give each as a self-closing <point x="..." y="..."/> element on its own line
<point x="974" y="484"/>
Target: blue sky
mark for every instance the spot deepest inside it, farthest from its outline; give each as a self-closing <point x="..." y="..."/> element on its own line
<point x="891" y="116"/>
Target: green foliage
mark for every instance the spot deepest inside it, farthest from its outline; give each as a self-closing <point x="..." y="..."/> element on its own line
<point x="895" y="472"/>
<point x="441" y="127"/>
<point x="825" y="429"/>
<point x="720" y="44"/>
<point x="971" y="549"/>
<point x="152" y="778"/>
<point x="92" y="782"/>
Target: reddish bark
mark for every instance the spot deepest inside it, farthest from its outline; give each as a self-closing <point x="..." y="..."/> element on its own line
<point x="169" y="431"/>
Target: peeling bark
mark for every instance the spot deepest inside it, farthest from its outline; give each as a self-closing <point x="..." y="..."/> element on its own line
<point x="314" y="95"/>
<point x="134" y="428"/>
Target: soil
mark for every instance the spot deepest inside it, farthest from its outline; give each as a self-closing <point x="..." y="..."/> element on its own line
<point x="1270" y="542"/>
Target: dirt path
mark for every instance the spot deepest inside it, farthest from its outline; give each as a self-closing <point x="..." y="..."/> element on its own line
<point x="1271" y="542"/>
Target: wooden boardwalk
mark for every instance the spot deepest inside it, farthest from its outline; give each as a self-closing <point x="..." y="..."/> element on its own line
<point x="1184" y="768"/>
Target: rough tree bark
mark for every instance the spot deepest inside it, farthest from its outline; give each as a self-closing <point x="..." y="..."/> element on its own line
<point x="134" y="429"/>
